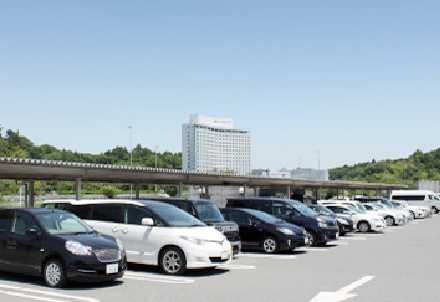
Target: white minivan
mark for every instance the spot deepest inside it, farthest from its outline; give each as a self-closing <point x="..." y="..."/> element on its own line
<point x="420" y="198"/>
<point x="154" y="233"/>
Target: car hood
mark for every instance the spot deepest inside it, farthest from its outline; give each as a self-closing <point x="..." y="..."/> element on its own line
<point x="296" y="229"/>
<point x="94" y="240"/>
<point x="208" y="233"/>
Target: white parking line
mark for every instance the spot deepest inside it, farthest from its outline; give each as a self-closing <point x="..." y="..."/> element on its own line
<point x="238" y="267"/>
<point x="338" y="243"/>
<point x="354" y="238"/>
<point x="147" y="277"/>
<point x="264" y="256"/>
<point x="46" y="296"/>
<point x="313" y="249"/>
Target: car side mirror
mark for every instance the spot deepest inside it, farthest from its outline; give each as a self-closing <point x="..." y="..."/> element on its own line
<point x="33" y="232"/>
<point x="147" y="221"/>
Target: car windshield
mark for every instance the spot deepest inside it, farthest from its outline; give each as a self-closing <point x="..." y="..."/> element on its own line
<point x="303" y="209"/>
<point x="322" y="210"/>
<point x="209" y="212"/>
<point x="361" y="209"/>
<point x="57" y="223"/>
<point x="266" y="218"/>
<point x="174" y="216"/>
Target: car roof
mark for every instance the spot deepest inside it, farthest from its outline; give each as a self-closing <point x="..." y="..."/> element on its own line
<point x="32" y="210"/>
<point x="100" y="201"/>
<point x="262" y="199"/>
<point x="185" y="200"/>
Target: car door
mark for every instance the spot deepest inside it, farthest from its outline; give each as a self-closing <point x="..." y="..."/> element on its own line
<point x="107" y="219"/>
<point x="247" y="232"/>
<point x="6" y="220"/>
<point x="23" y="250"/>
<point x="141" y="242"/>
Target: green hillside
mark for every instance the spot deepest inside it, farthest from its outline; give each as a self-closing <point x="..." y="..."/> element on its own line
<point x="13" y="144"/>
<point x="417" y="166"/>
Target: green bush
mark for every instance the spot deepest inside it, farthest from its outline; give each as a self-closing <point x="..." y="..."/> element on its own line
<point x="109" y="191"/>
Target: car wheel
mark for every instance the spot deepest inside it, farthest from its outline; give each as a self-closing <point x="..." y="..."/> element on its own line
<point x="270" y="245"/>
<point x="364" y="227"/>
<point x="390" y="221"/>
<point x="172" y="261"/>
<point x="54" y="274"/>
<point x="341" y="231"/>
<point x="313" y="239"/>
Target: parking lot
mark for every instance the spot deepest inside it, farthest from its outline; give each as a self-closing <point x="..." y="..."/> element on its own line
<point x="399" y="265"/>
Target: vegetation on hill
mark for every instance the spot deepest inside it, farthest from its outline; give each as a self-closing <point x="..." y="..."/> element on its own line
<point x="13" y="144"/>
<point x="418" y="166"/>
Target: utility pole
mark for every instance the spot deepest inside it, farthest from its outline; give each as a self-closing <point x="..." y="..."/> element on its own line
<point x="130" y="129"/>
<point x="155" y="163"/>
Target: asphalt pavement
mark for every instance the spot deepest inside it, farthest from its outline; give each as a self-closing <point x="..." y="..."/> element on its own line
<point x="399" y="265"/>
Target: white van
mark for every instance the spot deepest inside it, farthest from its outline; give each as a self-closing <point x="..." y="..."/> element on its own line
<point x="153" y="233"/>
<point x="421" y="198"/>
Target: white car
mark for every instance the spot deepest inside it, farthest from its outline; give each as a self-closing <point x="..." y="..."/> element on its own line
<point x="362" y="220"/>
<point x="154" y="233"/>
<point x="421" y="198"/>
<point x="391" y="216"/>
<point x="417" y="211"/>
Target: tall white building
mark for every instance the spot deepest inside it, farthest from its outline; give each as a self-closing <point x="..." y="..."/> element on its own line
<point x="213" y="145"/>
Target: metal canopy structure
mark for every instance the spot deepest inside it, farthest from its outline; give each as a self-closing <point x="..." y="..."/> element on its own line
<point x="34" y="169"/>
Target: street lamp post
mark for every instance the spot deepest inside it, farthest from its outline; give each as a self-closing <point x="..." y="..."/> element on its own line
<point x="130" y="129"/>
<point x="155" y="163"/>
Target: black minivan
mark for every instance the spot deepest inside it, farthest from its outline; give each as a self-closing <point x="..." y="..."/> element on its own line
<point x="208" y="212"/>
<point x="57" y="246"/>
<point x="261" y="231"/>
<point x="319" y="229"/>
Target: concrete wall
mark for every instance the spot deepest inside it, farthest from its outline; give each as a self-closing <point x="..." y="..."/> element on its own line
<point x="430" y="185"/>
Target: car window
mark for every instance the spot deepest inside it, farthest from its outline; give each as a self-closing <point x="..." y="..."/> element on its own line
<point x="240" y="218"/>
<point x="83" y="211"/>
<point x="109" y="213"/>
<point x="135" y="215"/>
<point x="6" y="219"/>
<point x="23" y="221"/>
<point x="279" y="209"/>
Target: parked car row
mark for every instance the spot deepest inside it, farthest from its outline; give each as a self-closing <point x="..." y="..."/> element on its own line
<point x="93" y="240"/>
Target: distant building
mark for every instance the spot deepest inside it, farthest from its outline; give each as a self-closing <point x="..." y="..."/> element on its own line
<point x="298" y="173"/>
<point x="309" y="174"/>
<point x="213" y="145"/>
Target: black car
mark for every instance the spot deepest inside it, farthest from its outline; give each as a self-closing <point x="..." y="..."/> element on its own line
<point x="345" y="224"/>
<point x="261" y="231"/>
<point x="208" y="212"/>
<point x="320" y="229"/>
<point x="57" y="246"/>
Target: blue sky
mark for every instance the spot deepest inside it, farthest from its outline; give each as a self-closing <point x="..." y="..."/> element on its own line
<point x="356" y="80"/>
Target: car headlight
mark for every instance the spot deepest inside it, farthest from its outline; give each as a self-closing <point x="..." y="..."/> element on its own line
<point x="194" y="240"/>
<point x="343" y="221"/>
<point x="78" y="249"/>
<point x="286" y="231"/>
<point x="322" y="223"/>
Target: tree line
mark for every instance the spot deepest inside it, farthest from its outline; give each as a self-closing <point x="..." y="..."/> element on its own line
<point x="14" y="144"/>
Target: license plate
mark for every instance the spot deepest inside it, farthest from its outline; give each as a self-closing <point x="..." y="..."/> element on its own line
<point x="112" y="269"/>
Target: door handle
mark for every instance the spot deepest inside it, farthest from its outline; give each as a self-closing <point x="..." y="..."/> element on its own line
<point x="115" y="230"/>
<point x="124" y="231"/>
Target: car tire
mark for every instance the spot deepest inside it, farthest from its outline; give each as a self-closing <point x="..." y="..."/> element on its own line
<point x="54" y="274"/>
<point x="172" y="261"/>
<point x="390" y="221"/>
<point x="341" y="231"/>
<point x="270" y="245"/>
<point x="313" y="238"/>
<point x="364" y="227"/>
